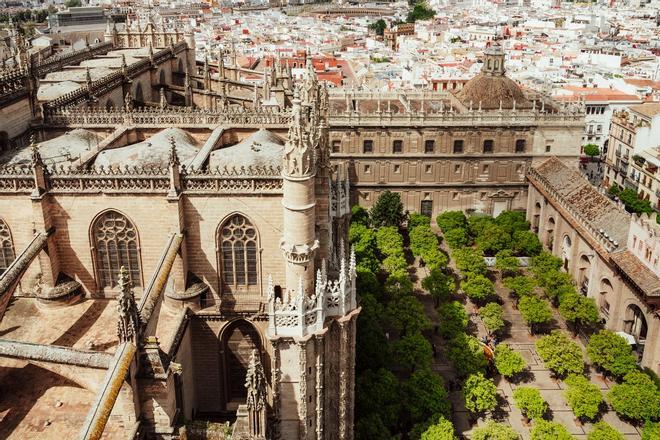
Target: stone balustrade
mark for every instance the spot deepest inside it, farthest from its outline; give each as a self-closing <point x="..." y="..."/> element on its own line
<point x="305" y="313"/>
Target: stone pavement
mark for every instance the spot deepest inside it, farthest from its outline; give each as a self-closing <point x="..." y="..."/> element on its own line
<point x="519" y="338"/>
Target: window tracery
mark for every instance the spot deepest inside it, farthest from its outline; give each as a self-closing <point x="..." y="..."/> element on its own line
<point x="238" y="248"/>
<point x="6" y="247"/>
<point x="116" y="245"/>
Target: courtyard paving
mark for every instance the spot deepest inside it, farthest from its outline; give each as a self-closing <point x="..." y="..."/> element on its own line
<point x="518" y="338"/>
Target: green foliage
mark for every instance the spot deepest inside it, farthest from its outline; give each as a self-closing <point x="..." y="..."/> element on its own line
<point x="636" y="398"/>
<point x="508" y="362"/>
<point x="633" y="203"/>
<point x="506" y="263"/>
<point x="435" y="259"/>
<point x="370" y="426"/>
<point x="470" y="260"/>
<point x="578" y="309"/>
<point x="378" y="27"/>
<point x="363" y="240"/>
<point x="520" y="285"/>
<point x="535" y="311"/>
<point x="453" y="319"/>
<point x="406" y="314"/>
<point x="492" y="316"/>
<point x="412" y="352"/>
<point x="478" y="288"/>
<point x="415" y="219"/>
<point x="388" y="210"/>
<point x="426" y="396"/>
<point x="545" y="262"/>
<point x="395" y="264"/>
<point x="439" y="285"/>
<point x="492" y="239"/>
<point x="450" y="220"/>
<point x="545" y="430"/>
<point x="367" y="283"/>
<point x="530" y="402"/>
<point x="371" y="344"/>
<point x="494" y="431"/>
<point x="512" y="221"/>
<point x="378" y="386"/>
<point x="480" y="394"/>
<point x="526" y="243"/>
<point x="389" y="241"/>
<point x="467" y="355"/>
<point x="457" y="238"/>
<point x="422" y="240"/>
<point x="583" y="397"/>
<point x="591" y="150"/>
<point x="442" y="430"/>
<point x="603" y="431"/>
<point x="612" y="353"/>
<point x="360" y="215"/>
<point x="477" y="223"/>
<point x="398" y="284"/>
<point x="72" y="3"/>
<point x="651" y="431"/>
<point x="560" y="354"/>
<point x="421" y="11"/>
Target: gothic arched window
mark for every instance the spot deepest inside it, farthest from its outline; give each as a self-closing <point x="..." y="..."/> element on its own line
<point x="238" y="253"/>
<point x="6" y="247"/>
<point x="115" y="245"/>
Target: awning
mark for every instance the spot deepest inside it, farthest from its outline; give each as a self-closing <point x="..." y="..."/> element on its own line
<point x="630" y="339"/>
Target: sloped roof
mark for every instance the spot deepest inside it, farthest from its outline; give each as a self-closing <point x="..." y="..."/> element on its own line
<point x="638" y="273"/>
<point x="154" y="151"/>
<point x="594" y="208"/>
<point x="262" y="149"/>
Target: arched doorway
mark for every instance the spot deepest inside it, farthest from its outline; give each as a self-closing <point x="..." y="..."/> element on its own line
<point x="635" y="324"/>
<point x="537" y="217"/>
<point x="584" y="268"/>
<point x="550" y="233"/>
<point x="239" y="339"/>
<point x="566" y="245"/>
<point x="606" y="294"/>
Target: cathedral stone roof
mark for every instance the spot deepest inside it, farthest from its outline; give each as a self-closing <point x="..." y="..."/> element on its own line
<point x="262" y="149"/>
<point x="63" y="149"/>
<point x="490" y="91"/>
<point x="152" y="152"/>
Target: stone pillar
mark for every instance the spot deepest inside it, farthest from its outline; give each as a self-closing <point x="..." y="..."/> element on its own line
<point x="175" y="206"/>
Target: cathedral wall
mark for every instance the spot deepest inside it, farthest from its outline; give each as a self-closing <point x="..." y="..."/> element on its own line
<point x="184" y="357"/>
<point x="15" y="118"/>
<point x="73" y="217"/>
<point x="561" y="141"/>
<point x="203" y="216"/>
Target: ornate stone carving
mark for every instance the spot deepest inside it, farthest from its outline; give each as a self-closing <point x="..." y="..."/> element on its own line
<point x="128" y="325"/>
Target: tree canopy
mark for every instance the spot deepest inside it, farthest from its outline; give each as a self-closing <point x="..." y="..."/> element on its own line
<point x="578" y="309"/>
<point x="480" y="394"/>
<point x="453" y="319"/>
<point x="534" y="310"/>
<point x="467" y="355"/>
<point x="378" y="27"/>
<point x="612" y="353"/>
<point x="406" y="314"/>
<point x="378" y="386"/>
<point x="421" y="11"/>
<point x="426" y="396"/>
<point x="560" y="354"/>
<point x="637" y="397"/>
<point x="470" y="260"/>
<point x="530" y="402"/>
<point x="583" y="397"/>
<point x="520" y="285"/>
<point x="440" y="285"/>
<point x="441" y="430"/>
<point x="591" y="150"/>
<point x="494" y="431"/>
<point x="508" y="362"/>
<point x="412" y="352"/>
<point x="603" y="431"/>
<point x="449" y="220"/>
<point x="387" y="210"/>
<point x="545" y="430"/>
<point x="478" y="288"/>
<point x="492" y="316"/>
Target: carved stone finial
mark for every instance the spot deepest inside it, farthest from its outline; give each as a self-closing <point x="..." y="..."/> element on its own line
<point x="255" y="383"/>
<point x="128" y="101"/>
<point x="88" y="77"/>
<point x="128" y="325"/>
<point x="36" y="155"/>
<point x="174" y="157"/>
<point x="163" y="99"/>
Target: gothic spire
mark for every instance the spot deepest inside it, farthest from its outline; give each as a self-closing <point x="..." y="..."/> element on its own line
<point x="255" y="383"/>
<point x="128" y="325"/>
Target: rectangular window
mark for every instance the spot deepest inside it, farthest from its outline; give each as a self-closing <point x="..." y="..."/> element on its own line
<point x="397" y="168"/>
<point x="457" y="168"/>
<point x="520" y="146"/>
<point x="548" y="148"/>
<point x="429" y="146"/>
<point x="367" y="169"/>
<point x="458" y="146"/>
<point x="427" y="208"/>
<point x="397" y="146"/>
<point x="454" y="196"/>
<point x="488" y="146"/>
<point x="428" y="169"/>
<point x="368" y="146"/>
<point x="336" y="145"/>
